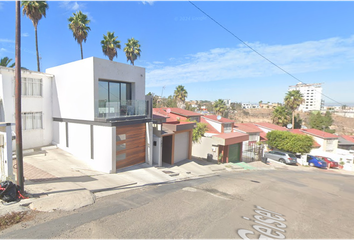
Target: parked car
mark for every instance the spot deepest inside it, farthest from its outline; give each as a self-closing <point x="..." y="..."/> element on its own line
<point x="316" y="162"/>
<point x="330" y="161"/>
<point x="283" y="157"/>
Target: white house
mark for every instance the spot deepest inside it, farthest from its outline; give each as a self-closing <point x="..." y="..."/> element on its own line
<point x="100" y="113"/>
<point x="36" y="105"/>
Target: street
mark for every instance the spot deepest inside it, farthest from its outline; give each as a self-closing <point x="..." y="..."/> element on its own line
<point x="251" y="204"/>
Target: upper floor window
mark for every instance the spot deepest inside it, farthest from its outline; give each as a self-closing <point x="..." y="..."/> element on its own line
<point x="31" y="87"/>
<point x="227" y="127"/>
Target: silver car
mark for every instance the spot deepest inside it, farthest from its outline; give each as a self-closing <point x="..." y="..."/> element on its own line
<point x="283" y="157"/>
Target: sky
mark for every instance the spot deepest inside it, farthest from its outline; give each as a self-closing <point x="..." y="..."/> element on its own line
<point x="180" y="45"/>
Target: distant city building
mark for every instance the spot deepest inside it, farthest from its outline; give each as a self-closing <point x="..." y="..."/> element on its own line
<point x="249" y="105"/>
<point x="227" y="102"/>
<point x="312" y="94"/>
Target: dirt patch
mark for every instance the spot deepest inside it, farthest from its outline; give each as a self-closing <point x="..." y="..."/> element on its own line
<point x="13" y="218"/>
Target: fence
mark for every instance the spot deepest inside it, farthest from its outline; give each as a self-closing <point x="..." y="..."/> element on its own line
<point x="252" y="152"/>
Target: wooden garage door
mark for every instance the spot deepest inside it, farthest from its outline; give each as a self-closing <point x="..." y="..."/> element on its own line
<point x="130" y="145"/>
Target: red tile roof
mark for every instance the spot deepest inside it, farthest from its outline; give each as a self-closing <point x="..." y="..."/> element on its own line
<point x="183" y="112"/>
<point x="211" y="129"/>
<point x="271" y="126"/>
<point x="222" y="120"/>
<point x="319" y="133"/>
<point x="247" y="128"/>
<point x="299" y="131"/>
<point x="348" y="138"/>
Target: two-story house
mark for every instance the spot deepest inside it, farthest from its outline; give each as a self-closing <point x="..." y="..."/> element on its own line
<point x="100" y="113"/>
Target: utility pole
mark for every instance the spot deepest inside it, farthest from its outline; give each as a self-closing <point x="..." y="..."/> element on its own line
<point x="19" y="155"/>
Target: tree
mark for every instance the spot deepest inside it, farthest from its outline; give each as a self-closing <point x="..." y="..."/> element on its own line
<point x="290" y="142"/>
<point x="4" y="62"/>
<point x="109" y="45"/>
<point x="180" y="95"/>
<point x="154" y="99"/>
<point x="323" y="123"/>
<point x="292" y="100"/>
<point x="78" y="24"/>
<point x="281" y="116"/>
<point x="35" y="10"/>
<point x="189" y="107"/>
<point x="132" y="50"/>
<point x="171" y="102"/>
<point x="198" y="131"/>
<point x="219" y="107"/>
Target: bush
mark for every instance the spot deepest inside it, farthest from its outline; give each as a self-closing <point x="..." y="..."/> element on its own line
<point x="290" y="142"/>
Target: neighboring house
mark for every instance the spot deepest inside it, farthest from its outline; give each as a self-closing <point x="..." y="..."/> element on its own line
<point x="328" y="141"/>
<point x="36" y="107"/>
<point x="220" y="139"/>
<point x="100" y="113"/>
<point x="172" y="134"/>
<point x="346" y="142"/>
<point x="315" y="145"/>
<point x="267" y="127"/>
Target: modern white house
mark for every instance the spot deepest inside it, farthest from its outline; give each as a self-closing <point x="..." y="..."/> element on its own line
<point x="36" y="105"/>
<point x="312" y="94"/>
<point x="100" y="113"/>
<point x="93" y="108"/>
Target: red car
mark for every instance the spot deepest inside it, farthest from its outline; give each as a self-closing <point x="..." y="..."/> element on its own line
<point x="330" y="161"/>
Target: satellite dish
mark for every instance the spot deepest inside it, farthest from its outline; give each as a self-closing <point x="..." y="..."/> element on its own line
<point x="218" y="117"/>
<point x="289" y="125"/>
<point x="168" y="110"/>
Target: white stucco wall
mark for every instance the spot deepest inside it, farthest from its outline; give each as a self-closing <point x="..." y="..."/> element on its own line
<point x="104" y="149"/>
<point x="157" y="151"/>
<point x="205" y="146"/>
<point x="181" y="146"/>
<point x="73" y="90"/>
<point x="35" y="137"/>
<point x="79" y="140"/>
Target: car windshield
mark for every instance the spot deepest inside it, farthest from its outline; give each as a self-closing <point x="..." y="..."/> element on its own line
<point x="330" y="159"/>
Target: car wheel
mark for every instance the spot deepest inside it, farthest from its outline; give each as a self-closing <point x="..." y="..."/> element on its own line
<point x="282" y="160"/>
<point x="311" y="164"/>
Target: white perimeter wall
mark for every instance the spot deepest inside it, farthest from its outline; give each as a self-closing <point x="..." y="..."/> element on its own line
<point x="79" y="138"/>
<point x="202" y="148"/>
<point x="34" y="137"/>
<point x="157" y="151"/>
<point x="215" y="125"/>
<point x="181" y="146"/>
<point x="73" y="90"/>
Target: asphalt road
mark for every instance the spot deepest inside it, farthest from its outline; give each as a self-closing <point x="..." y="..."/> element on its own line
<point x="274" y="204"/>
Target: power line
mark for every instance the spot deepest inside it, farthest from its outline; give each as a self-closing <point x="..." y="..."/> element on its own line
<point x="227" y="30"/>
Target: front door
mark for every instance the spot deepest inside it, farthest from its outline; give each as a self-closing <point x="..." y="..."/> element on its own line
<point x="235" y="153"/>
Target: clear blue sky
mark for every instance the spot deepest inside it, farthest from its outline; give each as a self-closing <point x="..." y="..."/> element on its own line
<point x="314" y="41"/>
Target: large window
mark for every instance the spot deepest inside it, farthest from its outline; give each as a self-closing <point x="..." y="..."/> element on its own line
<point x="113" y="97"/>
<point x="32" y="120"/>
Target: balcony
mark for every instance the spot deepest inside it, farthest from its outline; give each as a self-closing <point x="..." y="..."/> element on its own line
<point x="123" y="110"/>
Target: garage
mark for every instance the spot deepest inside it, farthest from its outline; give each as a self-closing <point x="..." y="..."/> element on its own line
<point x="181" y="148"/>
<point x="130" y="145"/>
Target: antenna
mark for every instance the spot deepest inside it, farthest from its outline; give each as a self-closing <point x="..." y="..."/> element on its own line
<point x="162" y="90"/>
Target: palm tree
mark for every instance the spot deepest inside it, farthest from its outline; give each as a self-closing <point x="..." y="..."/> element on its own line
<point x="109" y="45"/>
<point x="180" y="95"/>
<point x="79" y="26"/>
<point x="132" y="50"/>
<point x="293" y="100"/>
<point x="6" y="61"/>
<point x="219" y="107"/>
<point x="35" y="10"/>
<point x="281" y="116"/>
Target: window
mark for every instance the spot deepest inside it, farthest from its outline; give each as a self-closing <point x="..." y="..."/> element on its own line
<point x="227" y="127"/>
<point x="32" y="120"/>
<point x="31" y="87"/>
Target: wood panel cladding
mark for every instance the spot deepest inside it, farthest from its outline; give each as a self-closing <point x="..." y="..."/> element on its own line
<point x="135" y="144"/>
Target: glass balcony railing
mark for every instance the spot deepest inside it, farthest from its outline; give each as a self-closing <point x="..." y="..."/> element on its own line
<point x="123" y="109"/>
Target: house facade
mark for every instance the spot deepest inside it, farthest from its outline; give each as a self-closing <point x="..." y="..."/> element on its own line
<point x="36" y="108"/>
<point x="100" y="113"/>
<point x="220" y="142"/>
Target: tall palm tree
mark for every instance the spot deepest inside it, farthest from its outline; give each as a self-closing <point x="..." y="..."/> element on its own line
<point x="132" y="50"/>
<point x="109" y="45"/>
<point x="293" y="100"/>
<point x="219" y="107"/>
<point x="6" y="61"/>
<point x="281" y="116"/>
<point x="35" y="10"/>
<point x="79" y="26"/>
<point x="180" y="95"/>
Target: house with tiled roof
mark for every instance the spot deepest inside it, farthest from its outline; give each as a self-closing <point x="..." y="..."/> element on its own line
<point x="328" y="141"/>
<point x="172" y="135"/>
<point x="220" y="139"/>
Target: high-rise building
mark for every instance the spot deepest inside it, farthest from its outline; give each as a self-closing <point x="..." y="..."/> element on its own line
<point x="312" y="94"/>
